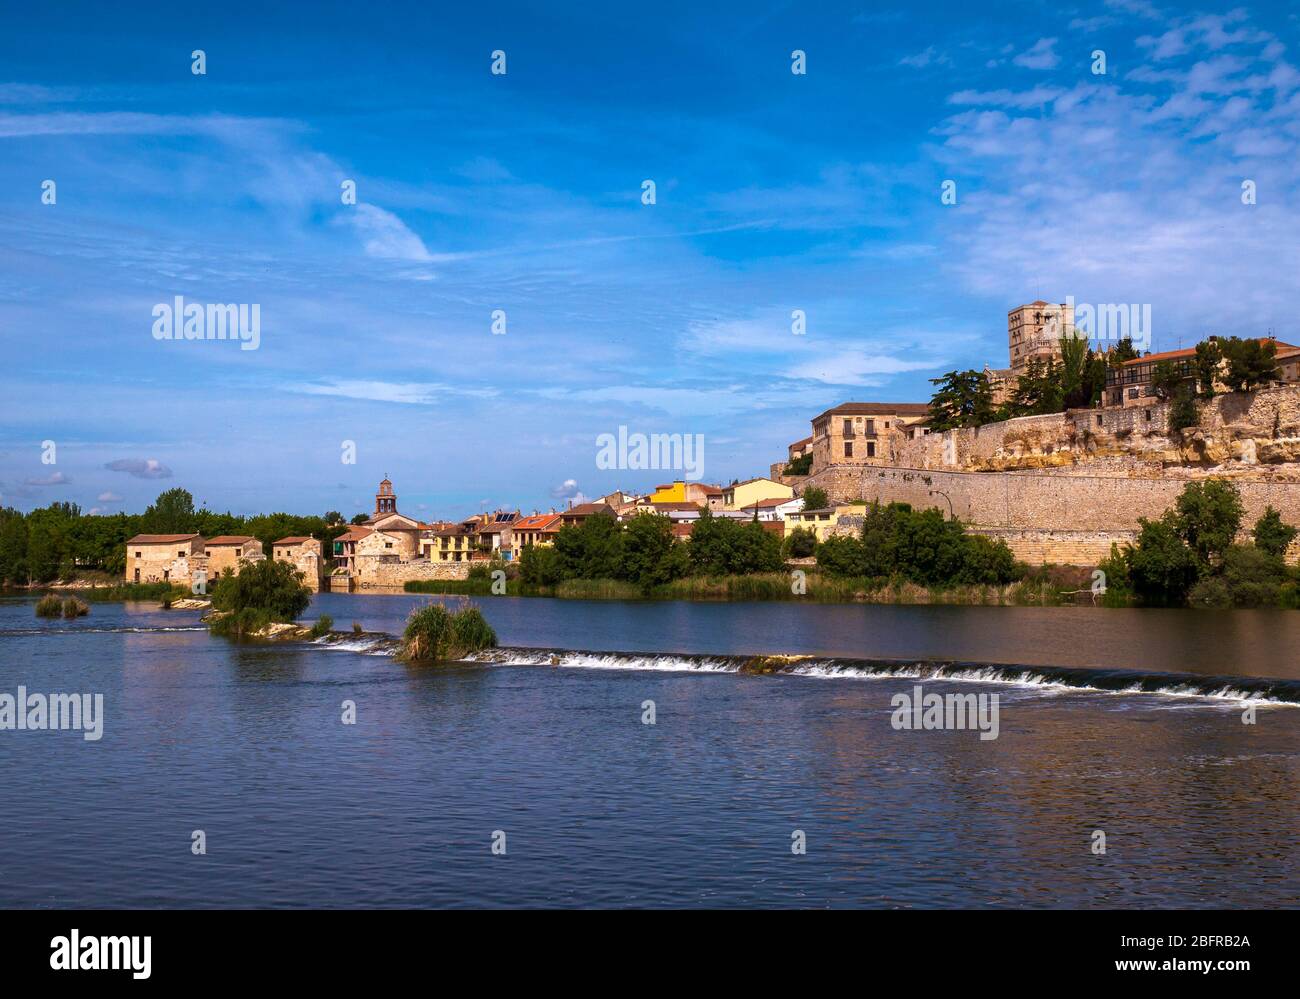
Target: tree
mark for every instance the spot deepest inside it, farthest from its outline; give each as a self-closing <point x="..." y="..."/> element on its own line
<point x="1166" y="379"/>
<point x="360" y="518"/>
<point x="1209" y="358"/>
<point x="799" y="466"/>
<point x="1272" y="535"/>
<point x="1161" y="568"/>
<point x="651" y="555"/>
<point x="171" y="513"/>
<point x="800" y="543"/>
<point x="259" y="593"/>
<point x="721" y="546"/>
<point x="592" y="549"/>
<point x="333" y="517"/>
<point x="814" y="498"/>
<point x="1121" y="352"/>
<point x="1207" y="517"/>
<point x="1039" y="390"/>
<point x="963" y="399"/>
<point x="1250" y="363"/>
<point x="540" y="565"/>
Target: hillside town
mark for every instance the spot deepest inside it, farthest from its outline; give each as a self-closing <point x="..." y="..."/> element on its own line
<point x="1060" y="486"/>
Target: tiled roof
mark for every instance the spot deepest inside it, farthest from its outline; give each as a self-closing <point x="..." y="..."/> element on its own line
<point x="666" y="507"/>
<point x="1283" y="350"/>
<point x="229" y="539"/>
<point x="588" y="509"/>
<point x="877" y="409"/>
<point x="538" y="522"/>
<point x="295" y="540"/>
<point x="160" y="539"/>
<point x="766" y="504"/>
<point x="355" y="533"/>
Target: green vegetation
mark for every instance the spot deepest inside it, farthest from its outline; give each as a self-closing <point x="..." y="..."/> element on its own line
<point x="259" y="594"/>
<point x="49" y="605"/>
<point x="1189" y="556"/>
<point x="1250" y="363"/>
<point x="800" y="543"/>
<point x="901" y="544"/>
<point x="52" y="605"/>
<point x="963" y="399"/>
<point x="323" y="626"/>
<point x="815" y="498"/>
<point x="59" y="542"/>
<point x="435" y="634"/>
<point x="137" y="591"/>
<point x="799" y="466"/>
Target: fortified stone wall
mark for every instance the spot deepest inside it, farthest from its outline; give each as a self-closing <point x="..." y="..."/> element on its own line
<point x="1073" y="516"/>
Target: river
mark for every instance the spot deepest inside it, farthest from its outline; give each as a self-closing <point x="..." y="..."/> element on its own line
<point x="1127" y="723"/>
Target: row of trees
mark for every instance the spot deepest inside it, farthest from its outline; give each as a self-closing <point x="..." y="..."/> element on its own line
<point x="59" y="541"/>
<point x="643" y="551"/>
<point x="897" y="542"/>
<point x="1190" y="555"/>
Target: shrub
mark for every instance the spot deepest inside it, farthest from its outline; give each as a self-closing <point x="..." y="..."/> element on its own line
<point x="814" y="498"/>
<point x="323" y="626"/>
<point x="799" y="466"/>
<point x="1208" y="515"/>
<point x="273" y="589"/>
<point x="49" y="605"/>
<point x="1272" y="535"/>
<point x="1161" y="567"/>
<point x="539" y="565"/>
<point x="800" y="543"/>
<point x="356" y="628"/>
<point x="434" y="634"/>
<point x="75" y="607"/>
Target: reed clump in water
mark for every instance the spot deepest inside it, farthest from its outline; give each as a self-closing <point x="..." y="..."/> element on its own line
<point x="435" y="634"/>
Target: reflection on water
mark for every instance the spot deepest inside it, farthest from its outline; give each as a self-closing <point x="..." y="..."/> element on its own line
<point x="246" y="743"/>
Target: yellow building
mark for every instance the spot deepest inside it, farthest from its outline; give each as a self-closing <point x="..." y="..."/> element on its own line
<point x="672" y="493"/>
<point x="739" y="495"/>
<point x="821" y="522"/>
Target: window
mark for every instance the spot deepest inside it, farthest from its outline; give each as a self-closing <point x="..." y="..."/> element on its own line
<point x="181" y="553"/>
<point x="1101" y="422"/>
<point x="137" y="554"/>
<point x="848" y="449"/>
<point x="871" y="426"/>
<point x="886" y="424"/>
<point x="848" y="428"/>
<point x="1146" y="414"/>
<point x="871" y="449"/>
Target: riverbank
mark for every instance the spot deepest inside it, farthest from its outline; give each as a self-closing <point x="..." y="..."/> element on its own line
<point x="1049" y="587"/>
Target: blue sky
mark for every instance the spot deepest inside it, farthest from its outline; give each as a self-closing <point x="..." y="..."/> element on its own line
<point x="522" y="192"/>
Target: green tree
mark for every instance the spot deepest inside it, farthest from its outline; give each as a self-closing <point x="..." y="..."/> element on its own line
<point x="1121" y="352"/>
<point x="591" y="550"/>
<point x="1209" y="358"/>
<point x="814" y="498"/>
<point x="651" y="555"/>
<point x="800" y="543"/>
<point x="1207" y="517"/>
<point x="171" y="513"/>
<point x="1166" y="379"/>
<point x="1272" y="535"/>
<point x="963" y="399"/>
<point x="540" y="565"/>
<point x="1040" y="390"/>
<point x="260" y="592"/>
<point x="1250" y="363"/>
<point x="1161" y="568"/>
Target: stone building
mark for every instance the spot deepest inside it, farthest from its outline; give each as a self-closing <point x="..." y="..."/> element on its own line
<point x="1034" y="331"/>
<point x="304" y="554"/>
<point x="163" y="558"/>
<point x="537" y="529"/>
<point x="863" y="433"/>
<point x="229" y="551"/>
<point x="1129" y="384"/>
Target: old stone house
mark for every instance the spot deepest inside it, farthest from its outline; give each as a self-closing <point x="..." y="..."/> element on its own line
<point x="162" y="558"/>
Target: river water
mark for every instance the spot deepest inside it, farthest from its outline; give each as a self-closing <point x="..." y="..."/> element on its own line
<point x="1124" y="723"/>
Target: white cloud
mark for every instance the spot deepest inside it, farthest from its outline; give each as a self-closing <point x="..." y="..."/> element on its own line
<point x="109" y="497"/>
<point x="1040" y="55"/>
<point x="148" y="468"/>
<point x="386" y="236"/>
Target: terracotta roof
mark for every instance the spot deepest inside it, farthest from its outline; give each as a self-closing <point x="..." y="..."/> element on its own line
<point x="765" y="504"/>
<point x="355" y="533"/>
<point x="877" y="409"/>
<point x="666" y="507"/>
<point x="682" y="529"/>
<point x="1283" y="350"/>
<point x="538" y="522"/>
<point x="295" y="540"/>
<point x="160" y="539"/>
<point x="454" y="531"/>
<point x="222" y="540"/>
<point x="801" y="442"/>
<point x="714" y="490"/>
<point x="588" y="510"/>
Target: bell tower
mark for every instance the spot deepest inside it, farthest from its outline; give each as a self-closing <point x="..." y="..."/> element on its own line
<point x="385" y="499"/>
